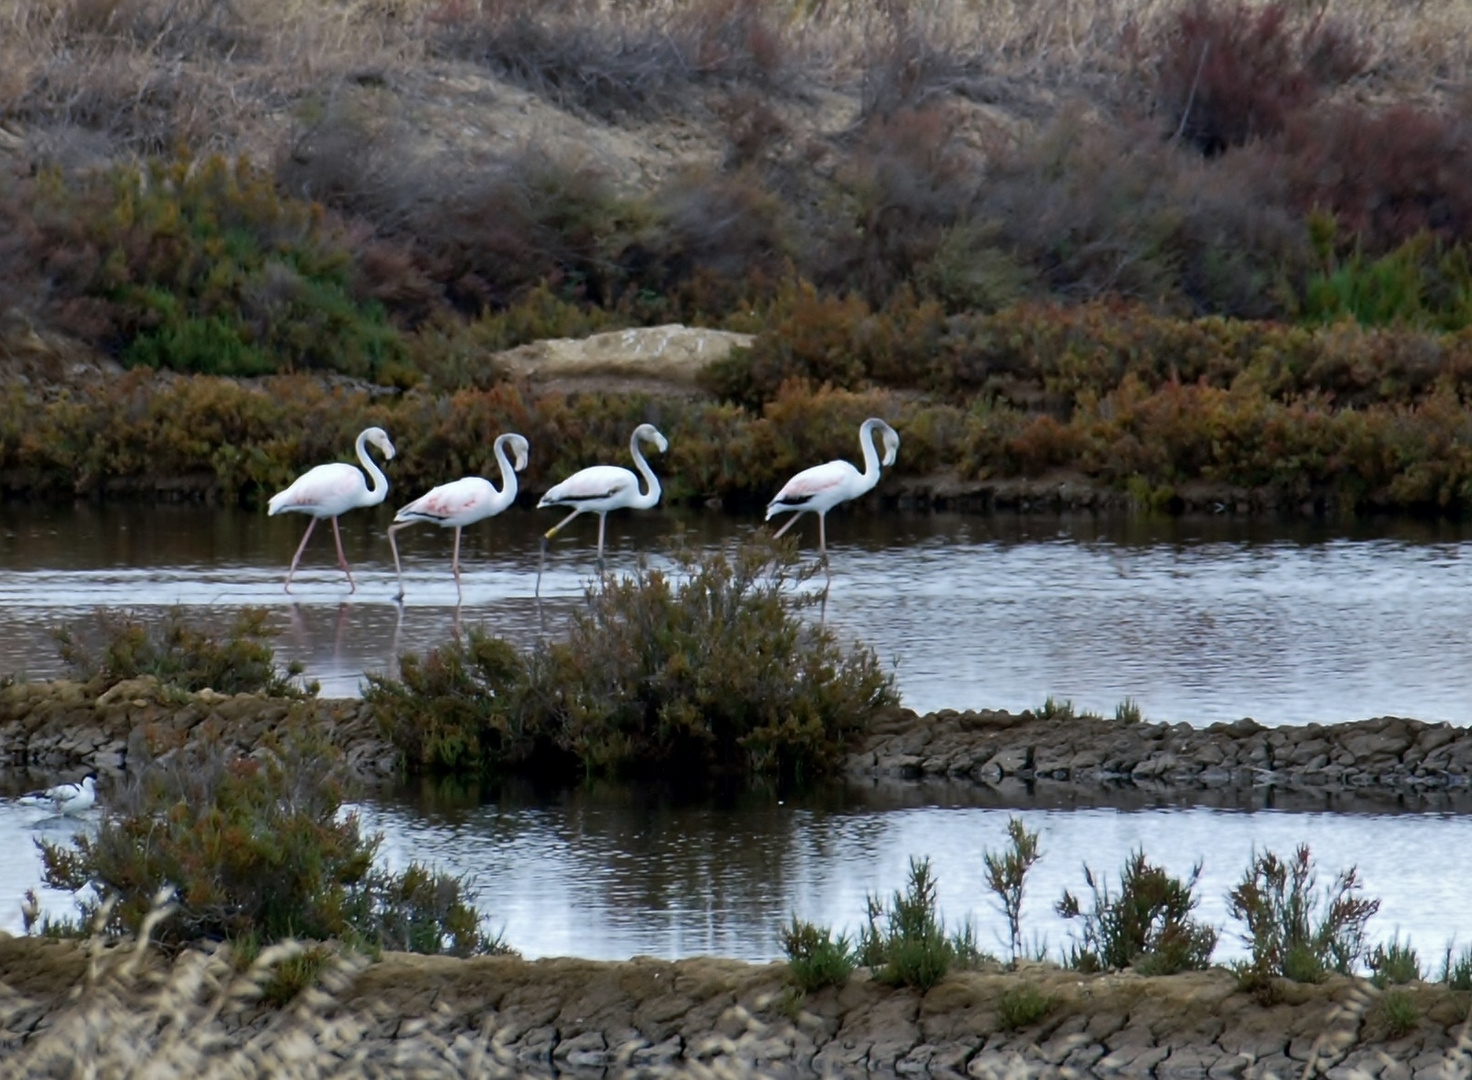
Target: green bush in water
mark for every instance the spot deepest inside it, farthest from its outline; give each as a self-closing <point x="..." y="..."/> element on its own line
<point x="707" y="669"/>
<point x="712" y="669"/>
<point x="118" y="646"/>
<point x="457" y="707"/>
<point x="255" y="851"/>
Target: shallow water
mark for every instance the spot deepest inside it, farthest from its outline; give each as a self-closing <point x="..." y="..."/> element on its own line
<point x="612" y="872"/>
<point x="1197" y="620"/>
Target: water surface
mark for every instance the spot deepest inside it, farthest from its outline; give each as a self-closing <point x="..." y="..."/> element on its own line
<point x="612" y="872"/>
<point x="1196" y="620"/>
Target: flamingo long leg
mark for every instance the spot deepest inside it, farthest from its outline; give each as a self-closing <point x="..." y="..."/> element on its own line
<point x="392" y="543"/>
<point x="823" y="550"/>
<point x="342" y="559"/>
<point x="455" y="565"/>
<point x="790" y="523"/>
<point x="311" y="524"/>
<point x="602" y="521"/>
<point x="555" y="529"/>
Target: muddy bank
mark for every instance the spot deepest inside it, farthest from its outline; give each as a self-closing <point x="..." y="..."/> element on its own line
<point x="497" y="1016"/>
<point x="60" y="725"/>
<point x="1383" y="753"/>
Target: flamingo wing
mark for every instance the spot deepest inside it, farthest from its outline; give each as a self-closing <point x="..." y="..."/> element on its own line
<point x="325" y="491"/>
<point x="593" y="484"/>
<point x="812" y="486"/>
<point x="448" y="501"/>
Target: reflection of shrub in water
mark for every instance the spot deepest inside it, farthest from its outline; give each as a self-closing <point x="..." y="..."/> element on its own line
<point x="709" y="670"/>
<point x="117" y="647"/>
<point x="254" y="850"/>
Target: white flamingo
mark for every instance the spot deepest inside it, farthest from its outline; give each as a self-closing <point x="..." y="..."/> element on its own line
<point x="66" y="798"/>
<point x="601" y="488"/>
<point x="329" y="490"/>
<point x="823" y="487"/>
<point x="463" y="502"/>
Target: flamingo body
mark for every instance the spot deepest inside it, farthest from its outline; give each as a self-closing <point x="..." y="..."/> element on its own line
<point x="327" y="491"/>
<point x="463" y="502"/>
<point x="601" y="488"/>
<point x="65" y="798"/>
<point x="822" y="487"/>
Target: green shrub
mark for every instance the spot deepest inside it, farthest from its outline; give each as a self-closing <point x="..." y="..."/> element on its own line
<point x="710" y="670"/>
<point x="120" y="646"/>
<point x="1422" y="283"/>
<point x="814" y="958"/>
<point x="714" y="670"/>
<point x="1457" y="973"/>
<point x="203" y="266"/>
<point x="457" y="708"/>
<point x="1006" y="875"/>
<point x="1394" y="964"/>
<point x="254" y="850"/>
<point x="1400" y="1012"/>
<point x="1128" y="712"/>
<point x="1020" y="1006"/>
<point x="905" y="943"/>
<point x="1147" y="925"/>
<point x="1287" y="931"/>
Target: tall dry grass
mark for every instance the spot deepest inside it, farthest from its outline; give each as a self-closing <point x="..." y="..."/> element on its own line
<point x="84" y="79"/>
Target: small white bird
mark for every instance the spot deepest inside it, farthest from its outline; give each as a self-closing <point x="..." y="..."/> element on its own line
<point x="823" y="487"/>
<point x="329" y="490"/>
<point x="601" y="488"/>
<point x="463" y="502"/>
<point x="65" y="798"/>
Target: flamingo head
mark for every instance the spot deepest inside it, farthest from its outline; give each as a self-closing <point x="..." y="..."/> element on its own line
<point x="891" y="444"/>
<point x="650" y="433"/>
<point x="519" y="449"/>
<point x="379" y="438"/>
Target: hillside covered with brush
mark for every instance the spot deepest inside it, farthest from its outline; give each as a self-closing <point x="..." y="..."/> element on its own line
<point x="1175" y="253"/>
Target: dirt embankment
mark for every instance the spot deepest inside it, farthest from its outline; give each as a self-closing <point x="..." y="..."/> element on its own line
<point x="60" y="725"/>
<point x="510" y="1016"/>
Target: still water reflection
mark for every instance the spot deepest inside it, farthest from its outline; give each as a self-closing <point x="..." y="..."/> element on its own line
<point x="1197" y="620"/>
<point x="610" y="872"/>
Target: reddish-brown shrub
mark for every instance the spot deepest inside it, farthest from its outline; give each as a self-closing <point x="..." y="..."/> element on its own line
<point x="1232" y="72"/>
<point x="1385" y="175"/>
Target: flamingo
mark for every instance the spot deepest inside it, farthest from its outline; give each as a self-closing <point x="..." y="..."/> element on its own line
<point x="463" y="502"/>
<point x="329" y="490"/>
<point x="823" y="487"/>
<point x="601" y="488"/>
<point x="66" y="798"/>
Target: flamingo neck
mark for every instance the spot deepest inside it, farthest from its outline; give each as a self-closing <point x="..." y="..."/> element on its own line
<point x="507" y="495"/>
<point x="871" y="454"/>
<point x="650" y="497"/>
<point x="377" y="482"/>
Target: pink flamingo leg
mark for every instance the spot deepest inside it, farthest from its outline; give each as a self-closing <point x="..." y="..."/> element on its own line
<point x="790" y="523"/>
<point x="394" y="545"/>
<point x="455" y="565"/>
<point x="342" y="560"/>
<point x="311" y="524"/>
<point x="602" y="522"/>
<point x="823" y="549"/>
